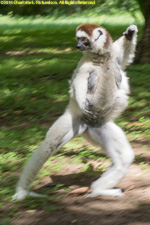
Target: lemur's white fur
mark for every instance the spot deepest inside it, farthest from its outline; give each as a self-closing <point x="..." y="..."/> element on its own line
<point x="81" y="33"/>
<point x="98" y="94"/>
<point x="98" y="45"/>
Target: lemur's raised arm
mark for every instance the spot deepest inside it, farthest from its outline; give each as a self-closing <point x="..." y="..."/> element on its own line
<point x="124" y="47"/>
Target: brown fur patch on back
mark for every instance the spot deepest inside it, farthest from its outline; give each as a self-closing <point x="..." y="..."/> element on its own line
<point x="88" y="28"/>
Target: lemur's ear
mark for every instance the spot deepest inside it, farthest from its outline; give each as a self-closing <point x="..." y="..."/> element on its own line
<point x="99" y="34"/>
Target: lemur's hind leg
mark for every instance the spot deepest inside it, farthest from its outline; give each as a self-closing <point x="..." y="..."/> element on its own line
<point x="63" y="130"/>
<point x="115" y="144"/>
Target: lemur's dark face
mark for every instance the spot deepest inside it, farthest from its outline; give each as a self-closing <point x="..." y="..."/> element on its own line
<point x="83" y="43"/>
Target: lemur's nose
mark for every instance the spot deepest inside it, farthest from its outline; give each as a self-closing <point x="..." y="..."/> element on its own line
<point x="78" y="45"/>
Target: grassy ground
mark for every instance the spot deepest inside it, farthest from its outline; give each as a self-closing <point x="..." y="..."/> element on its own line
<point x="37" y="57"/>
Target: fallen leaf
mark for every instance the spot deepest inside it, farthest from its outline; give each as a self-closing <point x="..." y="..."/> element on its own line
<point x="31" y="211"/>
<point x="81" y="190"/>
<point x="34" y="98"/>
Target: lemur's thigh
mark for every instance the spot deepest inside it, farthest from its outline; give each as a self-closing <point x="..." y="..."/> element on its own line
<point x="114" y="142"/>
<point x="64" y="129"/>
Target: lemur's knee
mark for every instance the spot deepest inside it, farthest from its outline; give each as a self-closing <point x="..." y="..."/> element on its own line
<point x="51" y="144"/>
<point x="128" y="159"/>
<point x="48" y="147"/>
<point x="131" y="158"/>
<point x="44" y="151"/>
<point x="122" y="165"/>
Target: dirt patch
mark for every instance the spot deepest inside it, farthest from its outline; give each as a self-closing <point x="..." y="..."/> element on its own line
<point x="131" y="209"/>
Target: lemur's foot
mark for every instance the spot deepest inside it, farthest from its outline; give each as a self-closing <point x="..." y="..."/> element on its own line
<point x="22" y="194"/>
<point x="130" y="31"/>
<point x="108" y="192"/>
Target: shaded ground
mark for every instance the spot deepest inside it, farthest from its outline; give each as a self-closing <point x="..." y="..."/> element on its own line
<point x="63" y="209"/>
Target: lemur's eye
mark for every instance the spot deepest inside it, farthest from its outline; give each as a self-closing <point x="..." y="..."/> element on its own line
<point x="85" y="42"/>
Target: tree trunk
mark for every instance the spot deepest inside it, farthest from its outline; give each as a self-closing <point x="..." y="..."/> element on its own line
<point x="143" y="48"/>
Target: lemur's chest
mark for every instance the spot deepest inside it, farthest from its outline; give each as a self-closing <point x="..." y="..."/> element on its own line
<point x="96" y="79"/>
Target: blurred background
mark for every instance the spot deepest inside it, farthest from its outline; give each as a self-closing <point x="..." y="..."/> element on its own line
<point x="37" y="58"/>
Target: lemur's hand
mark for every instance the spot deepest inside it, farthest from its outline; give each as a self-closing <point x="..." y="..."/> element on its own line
<point x="130" y="32"/>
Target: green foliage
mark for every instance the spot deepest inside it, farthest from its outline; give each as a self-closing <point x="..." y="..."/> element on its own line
<point x="145" y="166"/>
<point x="101" y="7"/>
<point x="9" y="161"/>
<point x="6" y="221"/>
